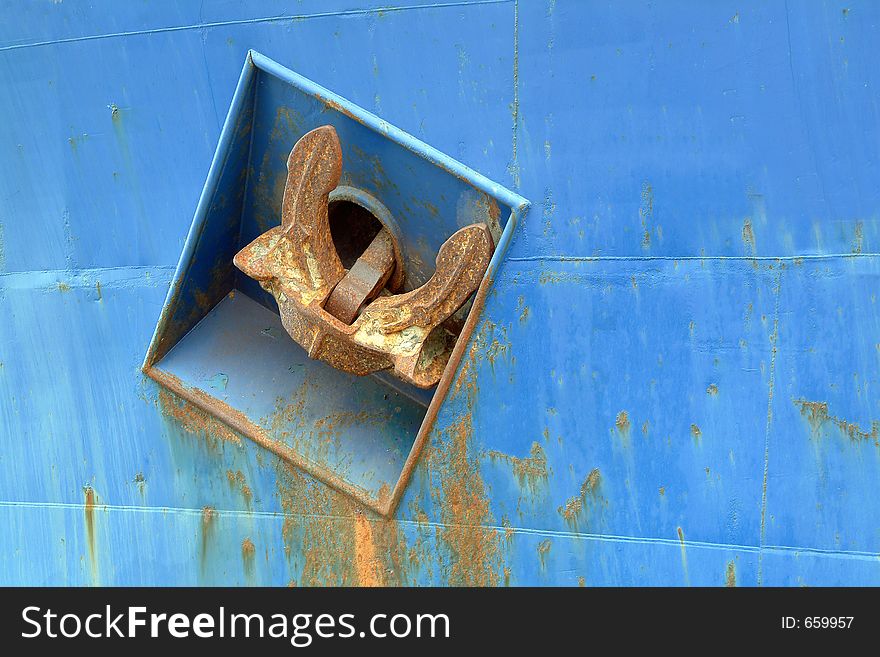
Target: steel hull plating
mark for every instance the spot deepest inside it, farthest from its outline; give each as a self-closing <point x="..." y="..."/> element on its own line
<point x="675" y="376"/>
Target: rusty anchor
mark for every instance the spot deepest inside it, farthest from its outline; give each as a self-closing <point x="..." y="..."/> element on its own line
<point x="352" y="319"/>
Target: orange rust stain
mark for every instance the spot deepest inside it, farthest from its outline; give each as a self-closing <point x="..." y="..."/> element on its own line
<point x="322" y="528"/>
<point x="571" y="511"/>
<point x="817" y="414"/>
<point x="730" y="578"/>
<point x="316" y="439"/>
<point x="684" y="563"/>
<point x="194" y="420"/>
<point x="208" y="516"/>
<point x="242" y="425"/>
<point x="460" y="495"/>
<point x="695" y="432"/>
<point x="141" y="482"/>
<point x="489" y="341"/>
<point x="506" y="576"/>
<point x="712" y="390"/>
<point x="247" y="556"/>
<point x="465" y="381"/>
<point x="509" y="531"/>
<point x="530" y="471"/>
<point x="622" y="422"/>
<point x="550" y="278"/>
<point x="543" y="550"/>
<point x="369" y="568"/>
<point x="857" y="240"/>
<point x="523" y="309"/>
<point x="203" y="300"/>
<point x="748" y="235"/>
<point x="582" y="582"/>
<point x="89" y="509"/>
<point x="491" y="213"/>
<point x="475" y="556"/>
<point x="384" y="493"/>
<point x="315" y="529"/>
<point x="236" y="480"/>
<point x="646" y="213"/>
<point x="499" y="346"/>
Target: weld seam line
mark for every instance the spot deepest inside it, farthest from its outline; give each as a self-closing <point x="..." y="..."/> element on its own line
<point x="251" y="21"/>
<point x="613" y="538"/>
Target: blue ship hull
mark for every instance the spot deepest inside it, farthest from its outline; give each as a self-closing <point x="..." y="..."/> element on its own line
<point x="675" y="379"/>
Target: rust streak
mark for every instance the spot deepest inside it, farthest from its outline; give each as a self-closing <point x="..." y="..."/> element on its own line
<point x="730" y="578"/>
<point x="240" y="423"/>
<point x="464" y="508"/>
<point x="369" y="568"/>
<point x="247" y="556"/>
<point x="589" y="490"/>
<point x="208" y="516"/>
<point x="89" y="509"/>
<point x="748" y="235"/>
<point x="195" y="420"/>
<point x="530" y="471"/>
<point x="817" y="414"/>
<point x="322" y="528"/>
<point x="622" y="422"/>
<point x="543" y="550"/>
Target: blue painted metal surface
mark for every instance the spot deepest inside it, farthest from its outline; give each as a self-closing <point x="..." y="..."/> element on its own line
<point x="675" y="380"/>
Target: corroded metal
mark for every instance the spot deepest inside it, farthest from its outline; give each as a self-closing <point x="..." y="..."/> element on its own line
<point x="322" y="305"/>
<point x="364" y="280"/>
